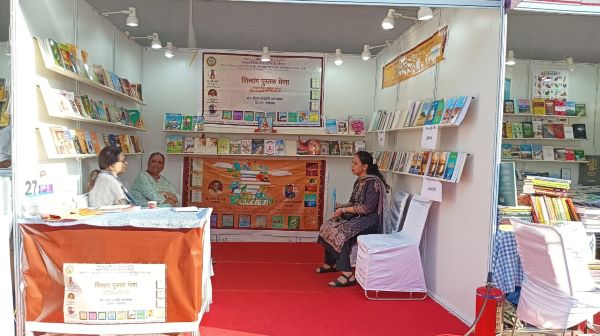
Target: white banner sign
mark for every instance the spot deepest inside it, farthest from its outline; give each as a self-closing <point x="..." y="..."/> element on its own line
<point x="114" y="293"/>
<point x="239" y="88"/>
<point x="429" y="137"/>
<point x="432" y="189"/>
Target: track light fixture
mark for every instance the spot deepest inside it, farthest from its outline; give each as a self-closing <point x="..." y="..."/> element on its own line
<point x="510" y="58"/>
<point x="169" y="52"/>
<point x="570" y="63"/>
<point x="132" y="19"/>
<point x="366" y="54"/>
<point x="424" y="14"/>
<point x="338" y="57"/>
<point x="265" y="57"/>
<point x="154" y="37"/>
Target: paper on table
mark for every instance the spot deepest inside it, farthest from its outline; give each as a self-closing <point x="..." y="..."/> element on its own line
<point x="185" y="209"/>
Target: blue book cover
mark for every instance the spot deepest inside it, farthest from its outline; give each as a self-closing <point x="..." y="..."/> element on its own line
<point x="173" y="121"/>
<point x="331" y="126"/>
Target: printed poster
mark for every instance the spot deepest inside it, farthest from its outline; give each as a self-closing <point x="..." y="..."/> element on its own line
<point x="420" y="58"/>
<point x="114" y="293"/>
<point x="239" y="88"/>
<point x="553" y="84"/>
<point x="252" y="193"/>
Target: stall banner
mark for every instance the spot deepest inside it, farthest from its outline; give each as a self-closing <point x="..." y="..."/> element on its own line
<point x="552" y="84"/>
<point x="114" y="293"/>
<point x="418" y="59"/>
<point x="257" y="193"/>
<point x="239" y="88"/>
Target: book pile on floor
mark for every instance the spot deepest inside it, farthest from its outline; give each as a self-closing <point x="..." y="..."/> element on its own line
<point x="441" y="165"/>
<point x="450" y="111"/>
<point x="549" y="201"/>
<point x="521" y="212"/>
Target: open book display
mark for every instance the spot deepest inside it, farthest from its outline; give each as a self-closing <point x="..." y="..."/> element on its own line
<point x="449" y="112"/>
<point x="76" y="61"/>
<point x="443" y="166"/>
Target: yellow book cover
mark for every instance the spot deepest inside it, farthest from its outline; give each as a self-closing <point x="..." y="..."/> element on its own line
<point x="539" y="106"/>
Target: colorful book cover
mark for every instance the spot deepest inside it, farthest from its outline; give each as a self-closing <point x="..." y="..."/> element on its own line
<point x="435" y="158"/>
<point x="459" y="105"/>
<point x="198" y="123"/>
<point x="238" y="115"/>
<point x="302" y="147"/>
<point x="96" y="142"/>
<point x="258" y="146"/>
<point x="450" y="102"/>
<point x="260" y="221"/>
<point x="439" y="112"/>
<point x="314" y="117"/>
<point x="258" y="114"/>
<point x="235" y="147"/>
<point x="506" y="151"/>
<point x="517" y="130"/>
<point x="357" y="125"/>
<point x="342" y="126"/>
<point x="334" y="148"/>
<point x="450" y="165"/>
<point x="292" y="117"/>
<point x="537" y="152"/>
<point x="173" y="121"/>
<point x="302" y="117"/>
<point x="527" y="127"/>
<point x="570" y="109"/>
<point x="525" y="151"/>
<point x="187" y="121"/>
<point x="579" y="131"/>
<point x="189" y="145"/>
<point x="331" y="126"/>
<point x="422" y="114"/>
<point x="135" y="118"/>
<point x="246" y="147"/>
<point x="270" y="148"/>
<point x="282" y="117"/>
<point x="226" y="115"/>
<point x="431" y="113"/>
<point x="244" y="221"/>
<point x="548" y="131"/>
<point x="280" y="146"/>
<point x="549" y="106"/>
<point x="441" y="165"/>
<point x="509" y="106"/>
<point x="560" y="108"/>
<point x="174" y="143"/>
<point x="579" y="154"/>
<point x="523" y="106"/>
<point x="560" y="154"/>
<point x="559" y="131"/>
<point x="314" y="147"/>
<point x="539" y="107"/>
<point x="569" y="154"/>
<point x="580" y="110"/>
<point x="277" y="222"/>
<point x="538" y="129"/>
<point x="293" y="222"/>
<point x="324" y="147"/>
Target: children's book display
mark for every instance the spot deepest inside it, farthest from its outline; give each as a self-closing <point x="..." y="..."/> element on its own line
<point x="545" y="107"/>
<point x="77" y="61"/>
<point x="178" y="144"/>
<point x="443" y="166"/>
<point x="420" y="113"/>
<point x="179" y="122"/>
<point x="64" y="104"/>
<point x="539" y="152"/>
<point x="59" y="142"/>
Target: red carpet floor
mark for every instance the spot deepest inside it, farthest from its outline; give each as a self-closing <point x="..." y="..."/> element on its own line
<point x="271" y="289"/>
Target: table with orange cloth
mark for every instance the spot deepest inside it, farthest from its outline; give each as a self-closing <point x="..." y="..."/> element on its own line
<point x="180" y="240"/>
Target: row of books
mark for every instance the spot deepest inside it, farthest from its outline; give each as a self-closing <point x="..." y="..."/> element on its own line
<point x="548" y="186"/>
<point x="541" y="106"/>
<point x="175" y="121"/>
<point x="208" y="145"/>
<point x="79" y="141"/>
<point x="548" y="209"/>
<point x="589" y="216"/>
<point x="420" y="113"/>
<point x="63" y="103"/>
<point x="442" y="165"/>
<point x="71" y="58"/>
<point x="521" y="212"/>
<point x="538" y="130"/>
<point x="355" y="125"/>
<point x="539" y="152"/>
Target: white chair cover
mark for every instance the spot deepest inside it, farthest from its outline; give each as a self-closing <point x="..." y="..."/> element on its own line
<point x="392" y="262"/>
<point x="557" y="290"/>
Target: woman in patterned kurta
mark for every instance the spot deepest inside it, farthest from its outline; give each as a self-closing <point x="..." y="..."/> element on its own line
<point x="362" y="215"/>
<point x="152" y="186"/>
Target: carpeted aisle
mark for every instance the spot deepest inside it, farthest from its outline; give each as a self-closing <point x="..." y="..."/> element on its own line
<point x="271" y="289"/>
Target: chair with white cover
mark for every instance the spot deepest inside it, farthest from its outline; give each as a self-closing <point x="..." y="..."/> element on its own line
<point x="557" y="290"/>
<point x="391" y="263"/>
<point x="393" y="223"/>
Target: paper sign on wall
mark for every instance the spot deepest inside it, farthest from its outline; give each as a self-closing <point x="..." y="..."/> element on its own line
<point x="429" y="137"/>
<point x="381" y="138"/>
<point x="114" y="293"/>
<point x="432" y="189"/>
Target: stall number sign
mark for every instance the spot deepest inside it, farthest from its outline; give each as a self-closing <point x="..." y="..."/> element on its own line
<point x="114" y="293"/>
<point x="429" y="137"/>
<point x="432" y="189"/>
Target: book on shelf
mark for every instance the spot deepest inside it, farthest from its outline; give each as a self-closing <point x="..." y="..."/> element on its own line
<point x="346" y="148"/>
<point x="173" y="121"/>
<point x="568" y="132"/>
<point x="559" y="131"/>
<point x="359" y="145"/>
<point x="174" y="143"/>
<point x="506" y="150"/>
<point x="517" y="130"/>
<point x="549" y="106"/>
<point x="198" y="123"/>
<point x="432" y="112"/>
<point x="548" y="131"/>
<point x="548" y="153"/>
<point x="539" y="106"/>
<point x="342" y="126"/>
<point x="509" y="106"/>
<point x="246" y="146"/>
<point x="212" y="145"/>
<point x="447" y="115"/>
<point x="560" y="109"/>
<point x="527" y="128"/>
<point x="357" y="124"/>
<point x="537" y="152"/>
<point x="223" y="146"/>
<point x="526" y="151"/>
<point x="331" y="126"/>
<point x="314" y="147"/>
<point x="570" y="108"/>
<point x="421" y="115"/>
<point x="200" y="145"/>
<point x="334" y="148"/>
<point x="580" y="110"/>
<point x="235" y="147"/>
<point x="189" y="145"/>
<point x="258" y="146"/>
<point x="270" y="147"/>
<point x="579" y="131"/>
<point x="186" y="123"/>
<point x="324" y="150"/>
<point x="523" y="106"/>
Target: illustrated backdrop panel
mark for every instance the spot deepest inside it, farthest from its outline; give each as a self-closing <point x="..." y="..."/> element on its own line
<point x="239" y="88"/>
<point x="551" y="84"/>
<point x="252" y="193"/>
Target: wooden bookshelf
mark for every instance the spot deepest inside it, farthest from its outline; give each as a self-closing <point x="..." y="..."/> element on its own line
<point x="51" y="66"/>
<point x="541" y="115"/>
<point x="250" y="131"/>
<point x="419" y="176"/>
<point x="413" y="128"/>
<point x="543" y="161"/>
<point x="264" y="155"/>
<point x="543" y="139"/>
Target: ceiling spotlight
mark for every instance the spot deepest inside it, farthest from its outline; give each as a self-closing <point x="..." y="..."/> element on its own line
<point x="169" y="52"/>
<point x="510" y="59"/>
<point x="265" y="57"/>
<point x="570" y="63"/>
<point x="366" y="54"/>
<point x="424" y="14"/>
<point x="338" y="57"/>
<point x="388" y="22"/>
<point x="132" y="19"/>
<point x="154" y="37"/>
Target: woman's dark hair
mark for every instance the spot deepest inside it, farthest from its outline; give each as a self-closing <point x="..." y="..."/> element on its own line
<point x="156" y="153"/>
<point x="92" y="179"/>
<point x="372" y="168"/>
<point x="108" y="156"/>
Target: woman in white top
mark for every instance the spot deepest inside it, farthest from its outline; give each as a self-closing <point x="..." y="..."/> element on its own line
<point x="105" y="187"/>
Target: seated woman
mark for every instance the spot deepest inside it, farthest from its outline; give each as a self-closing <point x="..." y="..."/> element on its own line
<point x="152" y="186"/>
<point x="104" y="185"/>
<point x="362" y="215"/>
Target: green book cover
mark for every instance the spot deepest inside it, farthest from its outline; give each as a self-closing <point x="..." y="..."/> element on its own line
<point x="187" y="122"/>
<point x="439" y="112"/>
<point x="527" y="129"/>
<point x="450" y="164"/>
<point x="174" y="143"/>
<point x="580" y="110"/>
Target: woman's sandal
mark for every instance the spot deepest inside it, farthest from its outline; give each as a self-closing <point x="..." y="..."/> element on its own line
<point x="348" y="282"/>
<point x="322" y="269"/>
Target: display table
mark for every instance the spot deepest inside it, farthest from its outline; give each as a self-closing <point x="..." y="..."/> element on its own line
<point x="179" y="240"/>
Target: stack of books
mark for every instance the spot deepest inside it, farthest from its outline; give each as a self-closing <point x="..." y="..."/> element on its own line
<point x="594" y="268"/>
<point x="450" y="111"/>
<point x="549" y="199"/>
<point x="441" y="165"/>
<point x="521" y="212"/>
<point x="590" y="218"/>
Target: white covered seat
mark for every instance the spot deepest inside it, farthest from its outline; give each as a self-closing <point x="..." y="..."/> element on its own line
<point x="392" y="262"/>
<point x="557" y="291"/>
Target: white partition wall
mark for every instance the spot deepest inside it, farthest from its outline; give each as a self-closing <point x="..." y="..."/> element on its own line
<point x="457" y="239"/>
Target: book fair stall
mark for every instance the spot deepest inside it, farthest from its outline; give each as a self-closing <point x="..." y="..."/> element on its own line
<point x="221" y="141"/>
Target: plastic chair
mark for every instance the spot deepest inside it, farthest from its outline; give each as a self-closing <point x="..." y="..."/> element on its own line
<point x="391" y="263"/>
<point x="557" y="291"/>
<point x="393" y="223"/>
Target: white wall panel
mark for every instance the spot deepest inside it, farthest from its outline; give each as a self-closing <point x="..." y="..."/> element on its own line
<point x="95" y="35"/>
<point x="50" y="18"/>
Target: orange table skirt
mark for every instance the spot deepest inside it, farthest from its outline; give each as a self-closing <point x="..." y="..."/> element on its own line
<point x="46" y="248"/>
